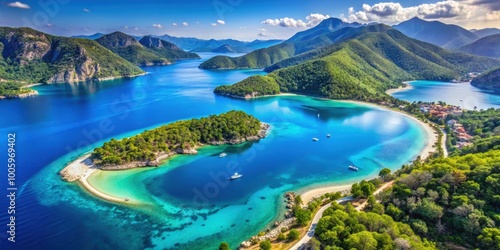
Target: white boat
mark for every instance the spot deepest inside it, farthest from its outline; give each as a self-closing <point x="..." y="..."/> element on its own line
<point x="235" y="176"/>
<point x="328" y="135"/>
<point x="353" y="168"/>
<point x="315" y="139"/>
<point x="318" y="115"/>
<point x="222" y="155"/>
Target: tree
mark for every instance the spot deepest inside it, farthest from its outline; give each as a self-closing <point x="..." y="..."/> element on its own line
<point x="293" y="235"/>
<point x="361" y="241"/>
<point x="385" y="174"/>
<point x="489" y="238"/>
<point x="224" y="246"/>
<point x="303" y="216"/>
<point x="265" y="245"/>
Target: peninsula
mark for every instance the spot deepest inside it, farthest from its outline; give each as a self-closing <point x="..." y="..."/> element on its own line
<point x="151" y="147"/>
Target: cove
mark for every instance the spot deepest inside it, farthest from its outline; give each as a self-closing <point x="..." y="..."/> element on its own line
<point x="64" y="122"/>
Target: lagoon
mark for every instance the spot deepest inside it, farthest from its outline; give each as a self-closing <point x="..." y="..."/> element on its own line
<point x="187" y="202"/>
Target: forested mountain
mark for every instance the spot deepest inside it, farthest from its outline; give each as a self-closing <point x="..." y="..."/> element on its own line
<point x="486" y="46"/>
<point x="166" y="49"/>
<point x="488" y="80"/>
<point x="375" y="58"/>
<point x="329" y="31"/>
<point x="29" y="56"/>
<point x="445" y="35"/>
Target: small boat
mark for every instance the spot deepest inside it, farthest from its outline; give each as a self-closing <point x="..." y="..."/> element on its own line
<point x="328" y="135"/>
<point x="222" y="155"/>
<point x="353" y="168"/>
<point x="315" y="139"/>
<point x="318" y="115"/>
<point x="127" y="199"/>
<point x="235" y="176"/>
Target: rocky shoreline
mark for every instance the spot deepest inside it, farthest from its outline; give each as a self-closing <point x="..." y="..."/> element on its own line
<point x="23" y="95"/>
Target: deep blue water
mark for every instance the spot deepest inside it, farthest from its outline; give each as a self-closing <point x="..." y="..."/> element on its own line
<point x="460" y="94"/>
<point x="189" y="205"/>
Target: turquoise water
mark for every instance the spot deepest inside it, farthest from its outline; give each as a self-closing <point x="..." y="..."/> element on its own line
<point x="460" y="94"/>
<point x="187" y="203"/>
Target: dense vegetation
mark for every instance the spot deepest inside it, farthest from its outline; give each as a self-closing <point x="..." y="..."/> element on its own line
<point x="342" y="227"/>
<point x="488" y="80"/>
<point x="12" y="89"/>
<point x="165" y="49"/>
<point x="29" y="56"/>
<point x="254" y="85"/>
<point x="177" y="136"/>
<point x="450" y="200"/>
<point x="374" y="59"/>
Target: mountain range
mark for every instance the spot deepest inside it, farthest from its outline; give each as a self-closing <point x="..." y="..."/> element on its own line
<point x="29" y="56"/>
<point x="359" y="63"/>
<point x="147" y="51"/>
<point x="321" y="35"/>
<point x="201" y="45"/>
<point x="445" y="35"/>
<point x="485" y="32"/>
<point x="486" y="46"/>
<point x="488" y="80"/>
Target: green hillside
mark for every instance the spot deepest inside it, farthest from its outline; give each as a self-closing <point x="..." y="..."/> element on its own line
<point x="165" y="49"/>
<point x="488" y="80"/>
<point x="29" y="56"/>
<point x="377" y="58"/>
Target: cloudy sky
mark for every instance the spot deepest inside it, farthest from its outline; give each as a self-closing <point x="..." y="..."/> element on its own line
<point x="240" y="19"/>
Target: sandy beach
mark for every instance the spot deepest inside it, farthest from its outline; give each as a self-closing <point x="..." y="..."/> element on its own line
<point x="80" y="170"/>
<point x="406" y="87"/>
<point x="317" y="192"/>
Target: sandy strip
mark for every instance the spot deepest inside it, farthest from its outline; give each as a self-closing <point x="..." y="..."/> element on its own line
<point x="406" y="87"/>
<point x="80" y="170"/>
<point x="317" y="192"/>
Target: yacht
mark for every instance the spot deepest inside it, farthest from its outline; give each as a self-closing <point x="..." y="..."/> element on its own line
<point x="328" y="135"/>
<point x="315" y="139"/>
<point x="353" y="168"/>
<point x="222" y="155"/>
<point x="235" y="176"/>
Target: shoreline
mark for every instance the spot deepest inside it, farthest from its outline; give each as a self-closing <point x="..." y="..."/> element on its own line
<point x="407" y="86"/>
<point x="82" y="168"/>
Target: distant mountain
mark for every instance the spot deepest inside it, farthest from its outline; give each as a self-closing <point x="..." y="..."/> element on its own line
<point x="361" y="67"/>
<point x="329" y="31"/>
<point x="166" y="49"/>
<point x="201" y="45"/>
<point x="485" y="32"/>
<point x="226" y="48"/>
<point x="151" y="51"/>
<point x="486" y="46"/>
<point x="91" y="37"/>
<point x="445" y="35"/>
<point x="488" y="80"/>
<point x="29" y="56"/>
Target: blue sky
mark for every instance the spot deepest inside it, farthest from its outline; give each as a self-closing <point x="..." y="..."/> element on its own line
<point x="239" y="19"/>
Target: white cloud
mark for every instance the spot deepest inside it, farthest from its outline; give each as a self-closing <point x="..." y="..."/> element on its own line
<point x="221" y="22"/>
<point x="174" y="24"/>
<point x="135" y="28"/>
<point x="49" y="25"/>
<point x="213" y="24"/>
<point x="86" y="10"/>
<point x="157" y="25"/>
<point x="312" y="20"/>
<point x="262" y="34"/>
<point x="185" y="24"/>
<point x="263" y="30"/>
<point x="390" y="12"/>
<point x="126" y="27"/>
<point x="19" y="5"/>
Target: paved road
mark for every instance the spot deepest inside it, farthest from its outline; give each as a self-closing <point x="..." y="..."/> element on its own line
<point x="310" y="232"/>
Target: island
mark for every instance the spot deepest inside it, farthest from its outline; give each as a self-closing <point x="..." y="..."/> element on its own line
<point x="151" y="147"/>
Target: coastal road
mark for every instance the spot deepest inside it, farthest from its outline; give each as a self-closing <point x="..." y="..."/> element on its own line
<point x="314" y="223"/>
